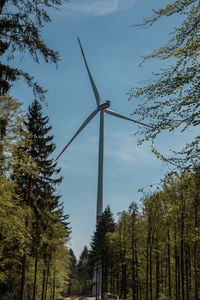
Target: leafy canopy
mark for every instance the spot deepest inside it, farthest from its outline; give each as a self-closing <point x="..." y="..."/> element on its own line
<point x="171" y="98"/>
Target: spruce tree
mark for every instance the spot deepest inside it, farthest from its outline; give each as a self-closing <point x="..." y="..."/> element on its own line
<point x="100" y="245"/>
<point x="48" y="225"/>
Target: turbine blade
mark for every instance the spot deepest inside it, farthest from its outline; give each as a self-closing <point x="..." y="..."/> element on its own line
<point x="115" y="114"/>
<point x="91" y="116"/>
<point x="96" y="93"/>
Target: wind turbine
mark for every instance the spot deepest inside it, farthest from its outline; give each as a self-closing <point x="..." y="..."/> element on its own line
<point x="101" y="108"/>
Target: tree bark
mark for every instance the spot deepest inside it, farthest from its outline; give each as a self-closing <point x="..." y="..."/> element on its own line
<point x="54" y="284"/>
<point x="169" y="262"/>
<point x="157" y="271"/>
<point x="150" y="269"/>
<point x="182" y="247"/>
<point x="47" y="281"/>
<point x="125" y="287"/>
<point x="35" y="277"/>
<point x="43" y="284"/>
<point x="133" y="257"/>
<point x="186" y="272"/>
<point x="147" y="268"/>
<point x="23" y="276"/>
<point x="196" y="203"/>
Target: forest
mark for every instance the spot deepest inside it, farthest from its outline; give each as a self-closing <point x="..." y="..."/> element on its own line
<point x="151" y="250"/>
<point x="34" y="230"/>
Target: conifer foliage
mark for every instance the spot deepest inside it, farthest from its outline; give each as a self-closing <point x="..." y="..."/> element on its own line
<point x="49" y="225"/>
<point x="99" y="254"/>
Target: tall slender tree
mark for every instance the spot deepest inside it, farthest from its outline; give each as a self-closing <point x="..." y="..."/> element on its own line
<point x="99" y="253"/>
<point x="42" y="197"/>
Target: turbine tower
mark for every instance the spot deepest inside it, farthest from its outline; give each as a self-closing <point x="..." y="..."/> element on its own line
<point x="101" y="108"/>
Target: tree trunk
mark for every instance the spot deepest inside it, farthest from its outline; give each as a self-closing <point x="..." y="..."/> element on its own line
<point x="157" y="271"/>
<point x="125" y="286"/>
<point x="54" y="284"/>
<point x="136" y="266"/>
<point x="186" y="272"/>
<point x="169" y="262"/>
<point x="46" y="283"/>
<point x="133" y="257"/>
<point x="35" y="277"/>
<point x="147" y="269"/>
<point x="43" y="284"/>
<point x="179" y="278"/>
<point x="118" y="290"/>
<point x="177" y="285"/>
<point x="23" y="277"/>
<point x="182" y="248"/>
<point x="190" y="271"/>
<point x="196" y="203"/>
<point x="150" y="269"/>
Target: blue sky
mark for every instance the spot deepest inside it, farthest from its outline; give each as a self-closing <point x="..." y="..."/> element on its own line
<point x="113" y="49"/>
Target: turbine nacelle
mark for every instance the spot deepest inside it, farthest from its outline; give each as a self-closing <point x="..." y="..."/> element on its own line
<point x="104" y="105"/>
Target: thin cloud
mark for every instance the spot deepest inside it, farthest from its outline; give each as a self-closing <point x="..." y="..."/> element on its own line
<point x="98" y="7"/>
<point x="123" y="147"/>
<point x="126" y="150"/>
<point x="69" y="167"/>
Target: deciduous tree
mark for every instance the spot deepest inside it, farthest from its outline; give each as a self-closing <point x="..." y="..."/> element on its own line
<point x="171" y="98"/>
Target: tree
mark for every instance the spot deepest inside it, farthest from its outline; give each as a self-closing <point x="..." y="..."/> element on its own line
<point x="171" y="98"/>
<point x="20" y="31"/>
<point x="83" y="273"/>
<point x="14" y="161"/>
<point x="72" y="286"/>
<point x="49" y="226"/>
<point x="155" y="252"/>
<point x="99" y="254"/>
<point x="133" y="211"/>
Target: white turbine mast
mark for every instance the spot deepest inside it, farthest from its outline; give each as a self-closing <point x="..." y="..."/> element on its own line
<point x="102" y="108"/>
